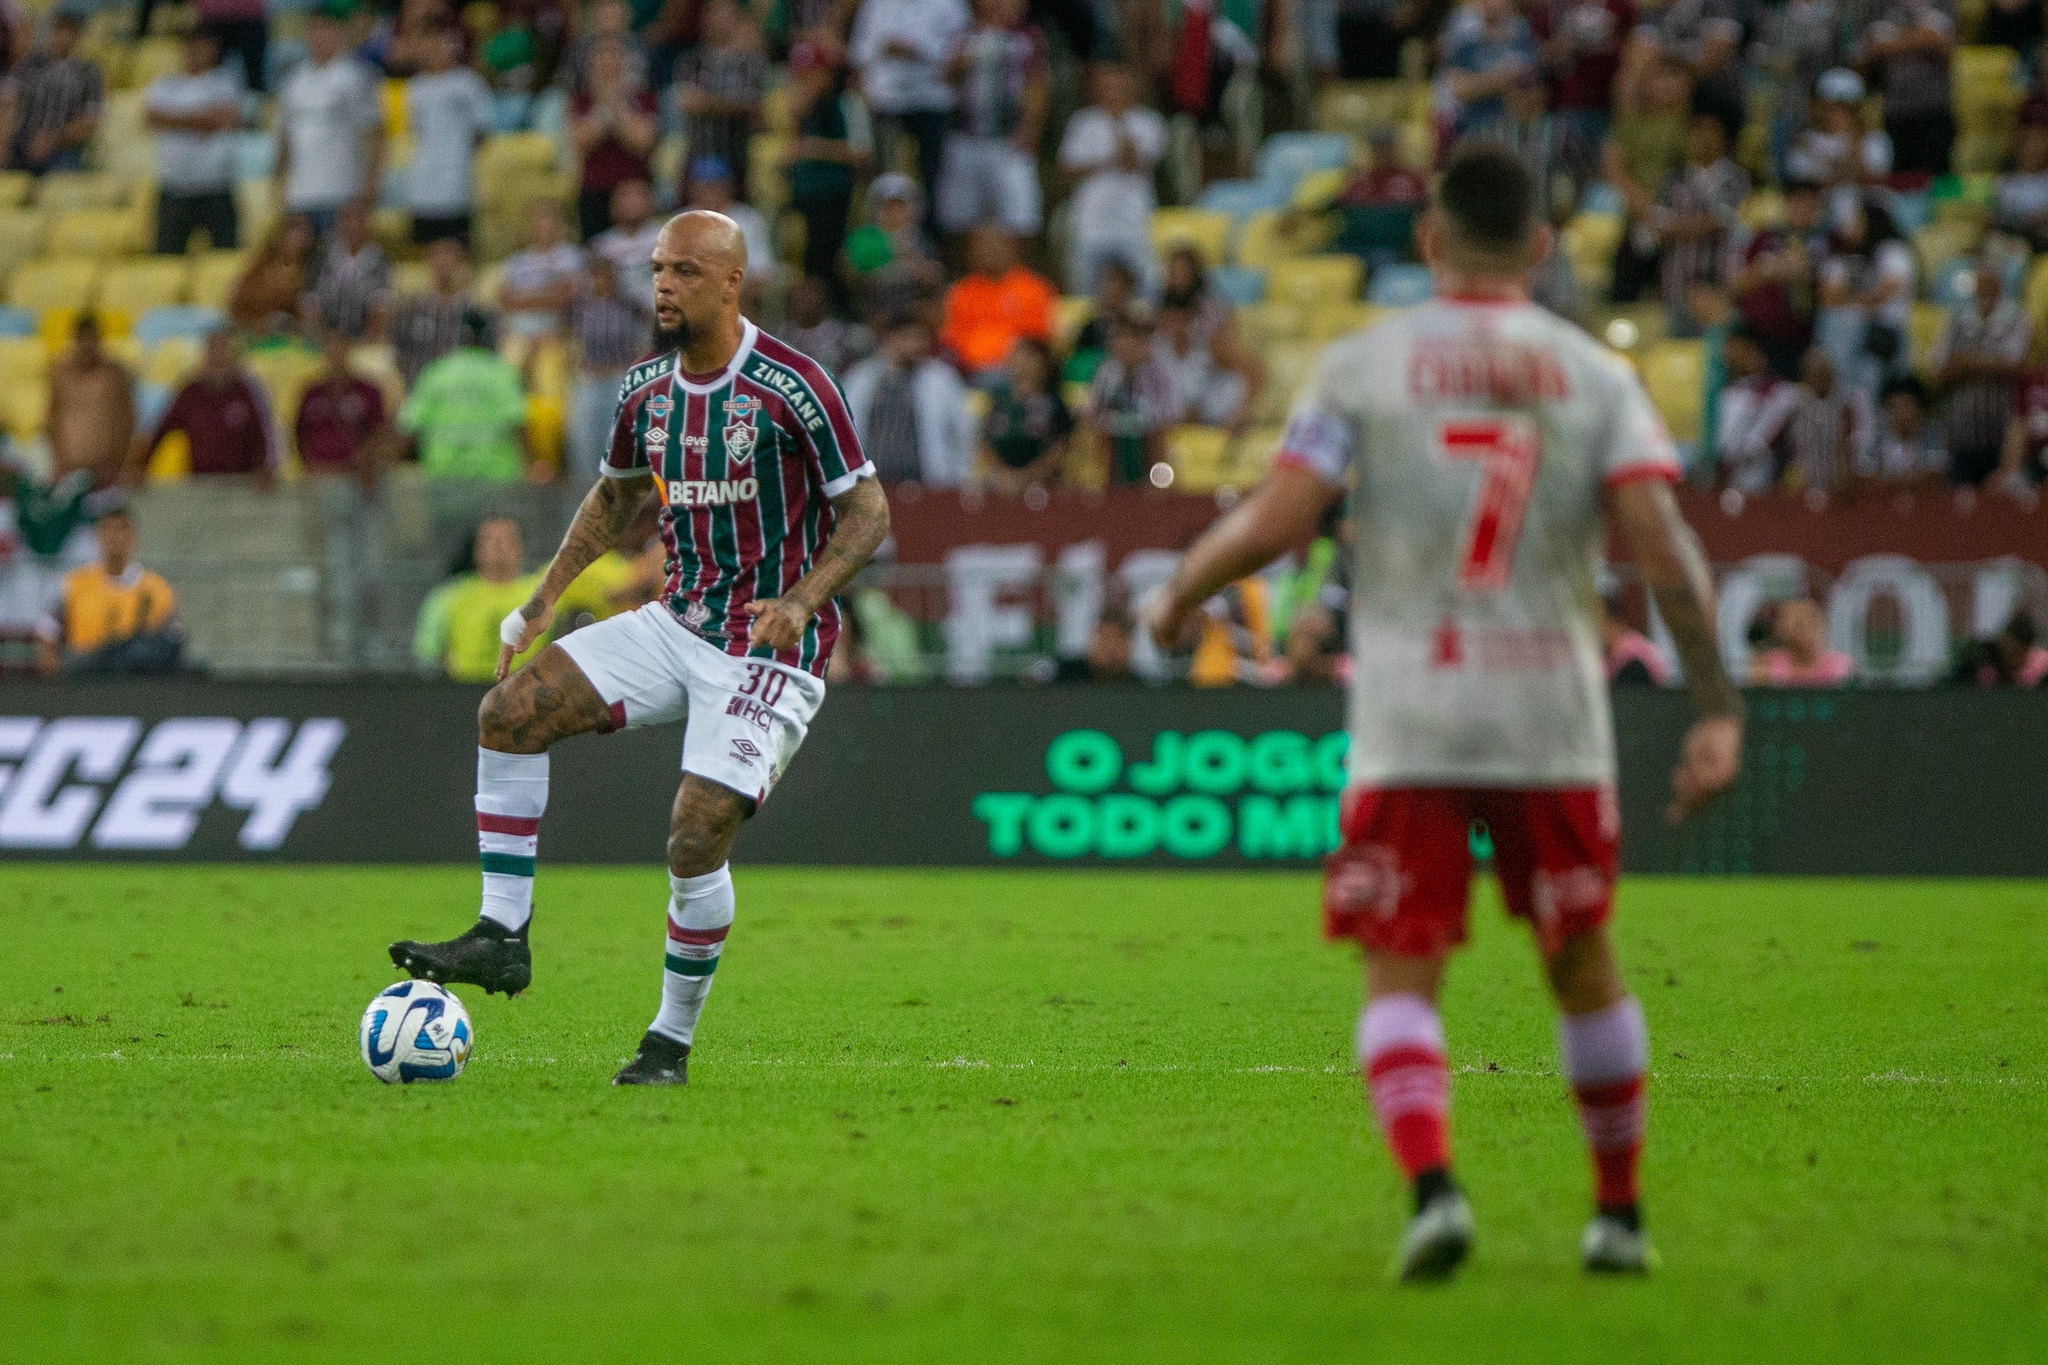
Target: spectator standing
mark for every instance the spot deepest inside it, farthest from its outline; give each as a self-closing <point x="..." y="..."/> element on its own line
<point x="224" y="414"/>
<point x="628" y="244"/>
<point x="833" y="145"/>
<point x="890" y="256"/>
<point x="910" y="409"/>
<point x="1749" y="413"/>
<point x="1698" y="209"/>
<point x="611" y="330"/>
<point x="998" y="301"/>
<point x="341" y="417"/>
<point x="244" y="34"/>
<point x="1579" y="43"/>
<point x="719" y="85"/>
<point x="1837" y="150"/>
<point x="991" y="162"/>
<point x="1773" y="277"/>
<point x="273" y="285"/>
<point x="1215" y="381"/>
<point x="1866" y="296"/>
<point x="1116" y="291"/>
<point x="352" y="291"/>
<point x="57" y="99"/>
<point x="467" y="414"/>
<point x="537" y="283"/>
<point x="1800" y="657"/>
<point x="1823" y="440"/>
<point x="901" y="48"/>
<point x="450" y="112"/>
<point x="1797" y="47"/>
<point x="1907" y="52"/>
<point x="1704" y="37"/>
<point x="472" y="611"/>
<point x="1130" y="402"/>
<point x="425" y="326"/>
<point x="611" y="21"/>
<point x="1976" y="359"/>
<point x="91" y="417"/>
<point x="1910" y="450"/>
<point x="1488" y="49"/>
<point x="810" y="327"/>
<point x="402" y="45"/>
<point x="1025" y="432"/>
<point x="1645" y="148"/>
<point x="1109" y="151"/>
<point x="113" y="616"/>
<point x="1548" y="147"/>
<point x="195" y="114"/>
<point x="614" y="124"/>
<point x="330" y="127"/>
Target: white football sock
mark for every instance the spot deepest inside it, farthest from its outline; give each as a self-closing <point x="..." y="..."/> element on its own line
<point x="511" y="794"/>
<point x="699" y="914"/>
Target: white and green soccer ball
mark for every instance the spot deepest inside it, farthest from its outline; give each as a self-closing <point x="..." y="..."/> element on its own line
<point x="415" y="1031"/>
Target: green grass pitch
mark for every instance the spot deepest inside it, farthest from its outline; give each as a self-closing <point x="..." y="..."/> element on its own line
<point x="997" y="1117"/>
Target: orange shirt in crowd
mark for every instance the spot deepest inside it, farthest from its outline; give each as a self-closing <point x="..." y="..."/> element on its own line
<point x="100" y="609"/>
<point x="984" y="317"/>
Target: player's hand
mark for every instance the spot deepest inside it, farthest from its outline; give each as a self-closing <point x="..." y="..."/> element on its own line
<point x="1707" y="764"/>
<point x="1172" y="625"/>
<point x="778" y="623"/>
<point x="518" y="631"/>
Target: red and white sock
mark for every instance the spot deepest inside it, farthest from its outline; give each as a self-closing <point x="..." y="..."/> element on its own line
<point x="511" y="796"/>
<point x="1606" y="1054"/>
<point x="1401" y="1055"/>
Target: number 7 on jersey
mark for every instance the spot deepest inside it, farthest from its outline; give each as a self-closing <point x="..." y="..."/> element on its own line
<point x="1508" y="449"/>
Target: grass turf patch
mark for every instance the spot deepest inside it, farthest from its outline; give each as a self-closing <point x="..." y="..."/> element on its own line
<point x="937" y="1116"/>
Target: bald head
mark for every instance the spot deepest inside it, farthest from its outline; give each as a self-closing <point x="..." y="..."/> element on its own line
<point x="700" y="262"/>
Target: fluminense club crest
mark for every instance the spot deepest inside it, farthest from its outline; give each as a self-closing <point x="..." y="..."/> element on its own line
<point x="739" y="430"/>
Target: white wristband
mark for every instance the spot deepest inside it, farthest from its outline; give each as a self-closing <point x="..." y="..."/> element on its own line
<point x="512" y="627"/>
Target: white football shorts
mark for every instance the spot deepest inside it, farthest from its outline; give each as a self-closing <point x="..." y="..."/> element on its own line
<point x="746" y="718"/>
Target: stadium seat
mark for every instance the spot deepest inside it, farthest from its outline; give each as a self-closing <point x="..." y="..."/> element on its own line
<point x="1763" y="208"/>
<point x="1355" y="108"/>
<point x="15" y="188"/>
<point x="1674" y="373"/>
<point x="1069" y="315"/>
<point x="1287" y="157"/>
<point x="1200" y="457"/>
<point x="1400" y="286"/>
<point x="17" y="322"/>
<point x="1288" y="366"/>
<point x="52" y="282"/>
<point x="1922" y="328"/>
<point x="410" y="277"/>
<point x="153" y="57"/>
<point x="514" y="154"/>
<point x="1268" y="237"/>
<point x="22" y="232"/>
<point x="285" y="373"/>
<point x="64" y="190"/>
<point x="100" y="233"/>
<point x="1314" y="280"/>
<point x="1263" y="324"/>
<point x="132" y="288"/>
<point x="1328" y="321"/>
<point x="1316" y="191"/>
<point x="2034" y="293"/>
<point x="1251" y="454"/>
<point x="174" y="322"/>
<point x="214" y="276"/>
<point x="1237" y="285"/>
<point x="1206" y="231"/>
<point x="1940" y="242"/>
<point x="1240" y="198"/>
<point x="171" y="361"/>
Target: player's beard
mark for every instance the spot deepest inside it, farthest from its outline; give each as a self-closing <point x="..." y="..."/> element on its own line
<point x="667" y="339"/>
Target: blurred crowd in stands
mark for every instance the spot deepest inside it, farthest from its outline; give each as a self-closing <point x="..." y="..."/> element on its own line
<point x="1041" y="243"/>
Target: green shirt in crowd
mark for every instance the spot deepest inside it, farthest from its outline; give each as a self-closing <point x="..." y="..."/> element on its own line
<point x="467" y="410"/>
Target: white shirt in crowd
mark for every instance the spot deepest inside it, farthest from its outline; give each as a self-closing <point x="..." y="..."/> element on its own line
<point x="631" y="250"/>
<point x="898" y="85"/>
<point x="1113" y="204"/>
<point x="945" y="424"/>
<point x="1475" y="616"/>
<point x="531" y="271"/>
<point x="189" y="162"/>
<point x="326" y="114"/>
<point x="447" y="112"/>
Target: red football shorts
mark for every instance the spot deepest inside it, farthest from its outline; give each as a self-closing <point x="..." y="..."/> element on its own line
<point x="1398" y="884"/>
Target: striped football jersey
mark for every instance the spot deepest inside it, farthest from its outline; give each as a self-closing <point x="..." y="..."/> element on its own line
<point x="746" y="462"/>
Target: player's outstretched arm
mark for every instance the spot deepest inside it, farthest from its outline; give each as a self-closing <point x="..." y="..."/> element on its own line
<point x="1674" y="568"/>
<point x="608" y="509"/>
<point x="860" y="525"/>
<point x="1278" y="515"/>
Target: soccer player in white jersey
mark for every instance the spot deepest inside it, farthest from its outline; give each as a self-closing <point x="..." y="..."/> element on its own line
<point x="768" y="509"/>
<point x="1486" y="445"/>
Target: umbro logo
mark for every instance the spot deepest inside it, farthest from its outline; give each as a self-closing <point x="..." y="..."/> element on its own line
<point x="745" y="750"/>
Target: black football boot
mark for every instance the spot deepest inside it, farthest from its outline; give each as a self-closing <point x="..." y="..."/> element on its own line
<point x="489" y="955"/>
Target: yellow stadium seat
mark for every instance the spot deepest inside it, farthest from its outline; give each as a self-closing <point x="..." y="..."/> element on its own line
<point x="135" y="287"/>
<point x="1207" y="231"/>
<point x="285" y="373"/>
<point x="102" y="233"/>
<point x="1763" y="208"/>
<point x="1922" y="328"/>
<point x="1315" y="280"/>
<point x="153" y="57"/>
<point x="767" y="187"/>
<point x="1674" y="373"/>
<point x="1262" y="324"/>
<point x="1074" y="393"/>
<point x="1069" y="316"/>
<point x="171" y="363"/>
<point x="391" y="97"/>
<point x="22" y="360"/>
<point x="214" y="276"/>
<point x="507" y="153"/>
<point x="52" y="282"/>
<point x="1288" y="366"/>
<point x="2036" y="294"/>
<point x="22" y="232"/>
<point x="22" y="409"/>
<point x="256" y="208"/>
<point x="1358" y="107"/>
<point x="1317" y="191"/>
<point x="1938" y="243"/>
<point x="15" y="187"/>
<point x="546" y="427"/>
<point x="1269" y="237"/>
<point x="1631" y="327"/>
<point x="1416" y="143"/>
<point x="64" y="190"/>
<point x="489" y="283"/>
<point x="1200" y="457"/>
<point x="1251" y="454"/>
<point x="1328" y="321"/>
<point x="171" y="460"/>
<point x="410" y="277"/>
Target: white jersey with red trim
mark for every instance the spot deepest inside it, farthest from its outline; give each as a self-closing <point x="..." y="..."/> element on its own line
<point x="1477" y="438"/>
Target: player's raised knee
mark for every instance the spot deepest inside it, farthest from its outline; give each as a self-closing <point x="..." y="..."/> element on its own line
<point x="497" y="716"/>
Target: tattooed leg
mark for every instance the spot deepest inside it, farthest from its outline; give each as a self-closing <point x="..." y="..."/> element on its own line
<point x="546" y="701"/>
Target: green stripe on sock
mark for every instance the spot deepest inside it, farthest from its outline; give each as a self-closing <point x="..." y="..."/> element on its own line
<point x="512" y="864"/>
<point x="691" y="966"/>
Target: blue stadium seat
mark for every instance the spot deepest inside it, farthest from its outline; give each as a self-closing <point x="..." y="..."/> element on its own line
<point x="255" y="156"/>
<point x="17" y="322"/>
<point x="1399" y="286"/>
<point x="1240" y="197"/>
<point x="1287" y="157"/>
<point x="159" y="325"/>
<point x="1238" y="284"/>
<point x="1600" y="197"/>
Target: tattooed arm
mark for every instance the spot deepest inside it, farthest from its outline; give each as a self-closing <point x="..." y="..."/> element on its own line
<point x="1675" y="570"/>
<point x="608" y="509"/>
<point x="862" y="514"/>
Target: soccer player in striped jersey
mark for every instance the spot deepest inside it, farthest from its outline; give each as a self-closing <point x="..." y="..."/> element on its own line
<point x="1486" y="445"/>
<point x="768" y="509"/>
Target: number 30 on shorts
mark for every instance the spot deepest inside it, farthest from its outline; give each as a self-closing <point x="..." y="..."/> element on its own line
<point x="1508" y="449"/>
<point x="764" y="682"/>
